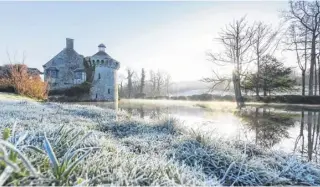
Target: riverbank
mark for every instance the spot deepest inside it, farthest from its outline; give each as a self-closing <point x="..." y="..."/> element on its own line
<point x="118" y="149"/>
<point x="287" y="99"/>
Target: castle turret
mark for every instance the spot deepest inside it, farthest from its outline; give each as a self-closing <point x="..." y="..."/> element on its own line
<point x="104" y="86"/>
<point x="102" y="47"/>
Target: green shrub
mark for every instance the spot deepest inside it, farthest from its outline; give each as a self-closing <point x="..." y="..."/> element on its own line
<point x="78" y="90"/>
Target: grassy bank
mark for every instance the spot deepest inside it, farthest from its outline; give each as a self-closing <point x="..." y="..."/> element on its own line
<point x="71" y="144"/>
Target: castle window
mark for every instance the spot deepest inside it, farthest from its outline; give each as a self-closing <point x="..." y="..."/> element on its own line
<point x="96" y="96"/>
<point x="101" y="61"/>
<point x="108" y="90"/>
<point x="52" y="73"/>
<point x="78" y="75"/>
<point x="99" y="76"/>
<point x="98" y="61"/>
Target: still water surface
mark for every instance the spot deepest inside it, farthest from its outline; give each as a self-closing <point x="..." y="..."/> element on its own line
<point x="293" y="130"/>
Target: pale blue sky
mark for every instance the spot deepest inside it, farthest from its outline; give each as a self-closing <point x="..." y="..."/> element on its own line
<point x="171" y="36"/>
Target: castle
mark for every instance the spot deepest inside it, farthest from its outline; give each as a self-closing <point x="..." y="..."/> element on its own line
<point x="67" y="69"/>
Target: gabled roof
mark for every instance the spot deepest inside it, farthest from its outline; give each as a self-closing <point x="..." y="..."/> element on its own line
<point x="102" y="54"/>
<point x="69" y="52"/>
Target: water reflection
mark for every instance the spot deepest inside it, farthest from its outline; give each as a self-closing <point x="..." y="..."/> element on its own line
<point x="142" y="112"/>
<point x="295" y="130"/>
<point x="309" y="128"/>
<point x="269" y="127"/>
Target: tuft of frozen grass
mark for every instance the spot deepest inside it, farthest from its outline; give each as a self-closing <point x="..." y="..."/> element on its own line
<point x="131" y="151"/>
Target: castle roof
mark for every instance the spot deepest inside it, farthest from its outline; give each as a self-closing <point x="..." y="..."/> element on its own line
<point x="102" y="45"/>
<point x="102" y="54"/>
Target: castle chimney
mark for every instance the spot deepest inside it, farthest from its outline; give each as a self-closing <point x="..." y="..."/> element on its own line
<point x="69" y="43"/>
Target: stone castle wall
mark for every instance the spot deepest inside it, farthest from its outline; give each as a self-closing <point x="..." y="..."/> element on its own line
<point x="71" y="72"/>
<point x="65" y="63"/>
<point x="104" y="87"/>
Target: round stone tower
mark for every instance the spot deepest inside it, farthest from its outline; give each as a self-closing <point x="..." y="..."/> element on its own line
<point x="104" y="84"/>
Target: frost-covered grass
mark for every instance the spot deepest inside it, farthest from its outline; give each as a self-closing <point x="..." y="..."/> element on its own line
<point x="130" y="151"/>
<point x="11" y="96"/>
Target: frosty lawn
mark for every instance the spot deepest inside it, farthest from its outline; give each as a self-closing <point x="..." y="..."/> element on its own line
<point x="72" y="144"/>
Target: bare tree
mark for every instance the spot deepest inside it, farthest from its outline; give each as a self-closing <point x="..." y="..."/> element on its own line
<point x="167" y="83"/>
<point x="153" y="81"/>
<point x="135" y="84"/>
<point x="297" y="40"/>
<point x="142" y="81"/>
<point x="307" y="14"/>
<point x="236" y="39"/>
<point x="129" y="78"/>
<point x="160" y="81"/>
<point x="121" y="78"/>
<point x="264" y="42"/>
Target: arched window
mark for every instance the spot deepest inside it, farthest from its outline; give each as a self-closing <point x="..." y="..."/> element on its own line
<point x="98" y="61"/>
<point x="96" y="96"/>
<point x="92" y="61"/>
<point x="108" y="90"/>
<point x="101" y="61"/>
<point x="99" y="77"/>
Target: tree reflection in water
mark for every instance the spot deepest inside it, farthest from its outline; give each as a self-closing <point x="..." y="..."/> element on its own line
<point x="311" y="129"/>
<point x="143" y="112"/>
<point x="269" y="127"/>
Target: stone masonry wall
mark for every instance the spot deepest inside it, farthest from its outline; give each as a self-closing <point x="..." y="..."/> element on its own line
<point x="103" y="85"/>
<point x="65" y="62"/>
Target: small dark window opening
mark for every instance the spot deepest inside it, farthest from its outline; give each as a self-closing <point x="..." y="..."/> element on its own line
<point x="96" y="96"/>
<point x="52" y="73"/>
<point x="99" y="76"/>
<point x="108" y="90"/>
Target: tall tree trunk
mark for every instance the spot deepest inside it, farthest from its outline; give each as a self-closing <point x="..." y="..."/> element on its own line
<point x="236" y="76"/>
<point x="237" y="90"/>
<point x="312" y="63"/>
<point x="318" y="75"/>
<point x="264" y="88"/>
<point x="315" y="79"/>
<point x="303" y="82"/>
<point x="258" y="72"/>
<point x="319" y="66"/>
